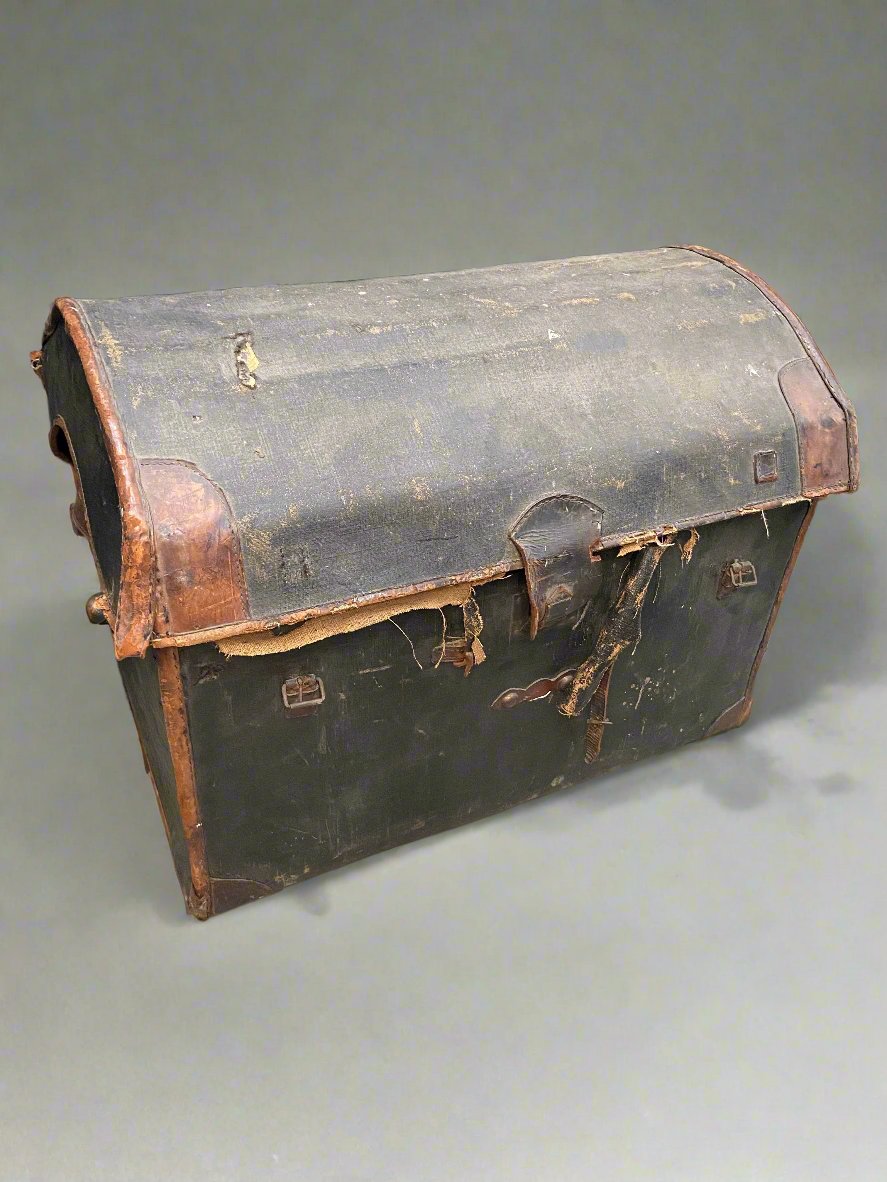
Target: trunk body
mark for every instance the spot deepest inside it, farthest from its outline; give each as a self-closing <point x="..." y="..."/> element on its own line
<point x="383" y="558"/>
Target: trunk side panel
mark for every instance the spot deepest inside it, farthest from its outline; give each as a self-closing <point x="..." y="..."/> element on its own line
<point x="141" y="682"/>
<point x="69" y="398"/>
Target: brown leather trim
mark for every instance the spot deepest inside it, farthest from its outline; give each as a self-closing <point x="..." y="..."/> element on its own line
<point x="175" y="713"/>
<point x="822" y="432"/>
<point x="160" y="807"/>
<point x="133" y="615"/>
<point x="198" y="563"/>
<point x="813" y="352"/>
<point x="249" y="627"/>
<point x="736" y="714"/>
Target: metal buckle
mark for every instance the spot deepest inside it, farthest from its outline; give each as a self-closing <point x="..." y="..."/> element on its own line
<point x="736" y="574"/>
<point x="743" y="574"/>
<point x="451" y="652"/>
<point x="303" y="693"/>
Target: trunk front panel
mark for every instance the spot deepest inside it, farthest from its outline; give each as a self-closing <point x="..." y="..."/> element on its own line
<point x="397" y="751"/>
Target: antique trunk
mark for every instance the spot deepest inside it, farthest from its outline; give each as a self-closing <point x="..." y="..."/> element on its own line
<point x="381" y="558"/>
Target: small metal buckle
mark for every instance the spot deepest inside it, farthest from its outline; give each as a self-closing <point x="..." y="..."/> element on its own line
<point x="743" y="574"/>
<point x="737" y="574"/>
<point x="303" y="693"/>
<point x="451" y="652"/>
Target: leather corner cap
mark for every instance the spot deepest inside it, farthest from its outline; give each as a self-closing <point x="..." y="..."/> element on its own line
<point x="199" y="567"/>
<point x="823" y="435"/>
<point x="733" y="716"/>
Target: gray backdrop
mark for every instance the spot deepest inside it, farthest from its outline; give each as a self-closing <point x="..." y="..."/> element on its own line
<point x="676" y="973"/>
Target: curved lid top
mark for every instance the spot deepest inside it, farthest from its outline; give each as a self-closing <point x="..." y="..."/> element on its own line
<point x="370" y="437"/>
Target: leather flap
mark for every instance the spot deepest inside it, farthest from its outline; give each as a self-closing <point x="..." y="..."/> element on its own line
<point x="556" y="539"/>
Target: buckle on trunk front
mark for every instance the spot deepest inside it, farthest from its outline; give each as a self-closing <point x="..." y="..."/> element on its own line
<point x="303" y="693"/>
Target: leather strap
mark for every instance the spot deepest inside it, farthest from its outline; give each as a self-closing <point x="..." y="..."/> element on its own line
<point x="621" y="628"/>
<point x="597" y="717"/>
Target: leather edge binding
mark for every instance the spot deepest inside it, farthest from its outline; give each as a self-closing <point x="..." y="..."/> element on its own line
<point x="134" y="614"/>
<point x="287" y="619"/>
<point x="810" y="348"/>
<point x="175" y="715"/>
<point x="149" y="772"/>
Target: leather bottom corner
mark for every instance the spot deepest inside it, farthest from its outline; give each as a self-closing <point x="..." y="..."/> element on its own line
<point x="730" y="718"/>
<point x="199" y="906"/>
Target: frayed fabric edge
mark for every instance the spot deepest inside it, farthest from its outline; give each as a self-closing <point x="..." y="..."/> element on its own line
<point x="263" y="644"/>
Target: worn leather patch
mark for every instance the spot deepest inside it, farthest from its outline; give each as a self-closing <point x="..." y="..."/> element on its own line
<point x="556" y="539"/>
<point x="199" y="569"/>
<point x="821" y="425"/>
